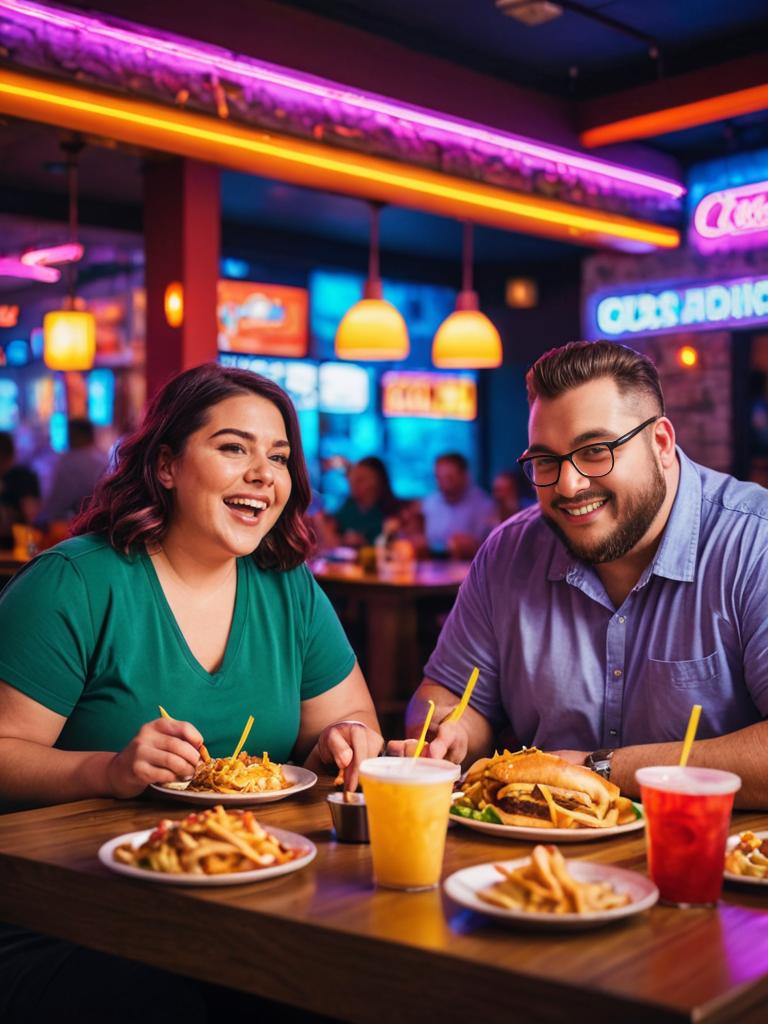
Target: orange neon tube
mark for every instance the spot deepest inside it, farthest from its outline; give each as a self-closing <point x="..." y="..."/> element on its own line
<point x="314" y="165"/>
<point x="675" y="119"/>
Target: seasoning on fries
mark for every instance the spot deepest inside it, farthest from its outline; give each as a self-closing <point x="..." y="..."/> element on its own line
<point x="545" y="886"/>
<point x="242" y="774"/>
<point x="749" y="858"/>
<point x="211" y="842"/>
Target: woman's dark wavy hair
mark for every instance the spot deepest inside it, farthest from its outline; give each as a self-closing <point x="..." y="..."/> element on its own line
<point x="132" y="508"/>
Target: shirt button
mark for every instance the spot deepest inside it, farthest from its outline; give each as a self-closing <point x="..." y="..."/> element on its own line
<point x="617" y="673"/>
<point x="613" y="732"/>
<point x="622" y="620"/>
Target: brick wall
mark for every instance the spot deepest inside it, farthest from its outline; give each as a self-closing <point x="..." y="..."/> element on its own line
<point x="698" y="400"/>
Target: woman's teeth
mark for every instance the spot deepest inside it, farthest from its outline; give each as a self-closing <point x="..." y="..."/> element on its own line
<point x="582" y="510"/>
<point x="242" y="504"/>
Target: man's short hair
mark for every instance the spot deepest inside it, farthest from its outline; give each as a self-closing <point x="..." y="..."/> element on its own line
<point x="579" y="362"/>
<point x="80" y="432"/>
<point x="459" y="460"/>
<point x="7" y="447"/>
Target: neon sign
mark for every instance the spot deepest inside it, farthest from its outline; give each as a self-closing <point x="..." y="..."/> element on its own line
<point x="429" y="395"/>
<point x="700" y="306"/>
<point x="732" y="217"/>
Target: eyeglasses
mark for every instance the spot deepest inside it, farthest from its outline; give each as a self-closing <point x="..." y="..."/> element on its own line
<point x="593" y="460"/>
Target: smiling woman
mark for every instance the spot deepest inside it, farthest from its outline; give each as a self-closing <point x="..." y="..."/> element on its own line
<point x="184" y="585"/>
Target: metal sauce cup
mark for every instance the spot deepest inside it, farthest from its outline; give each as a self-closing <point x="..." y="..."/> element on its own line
<point x="350" y="817"/>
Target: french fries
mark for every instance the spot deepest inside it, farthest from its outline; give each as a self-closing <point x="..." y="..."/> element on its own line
<point x="242" y="774"/>
<point x="749" y="858"/>
<point x="212" y="842"/>
<point x="545" y="886"/>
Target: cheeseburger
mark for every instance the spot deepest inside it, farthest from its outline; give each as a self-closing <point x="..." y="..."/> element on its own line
<point x="537" y="790"/>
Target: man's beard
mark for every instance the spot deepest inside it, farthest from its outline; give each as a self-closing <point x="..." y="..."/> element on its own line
<point x="638" y="513"/>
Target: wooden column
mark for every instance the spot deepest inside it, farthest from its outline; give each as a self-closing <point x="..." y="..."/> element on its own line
<point x="182" y="233"/>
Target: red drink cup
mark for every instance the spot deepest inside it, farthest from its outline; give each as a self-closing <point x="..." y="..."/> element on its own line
<point x="687" y="814"/>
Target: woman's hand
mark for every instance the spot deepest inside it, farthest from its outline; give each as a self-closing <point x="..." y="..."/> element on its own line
<point x="162" y="751"/>
<point x="449" y="743"/>
<point x="347" y="744"/>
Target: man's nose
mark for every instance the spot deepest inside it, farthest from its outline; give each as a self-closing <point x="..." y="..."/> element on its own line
<point x="571" y="480"/>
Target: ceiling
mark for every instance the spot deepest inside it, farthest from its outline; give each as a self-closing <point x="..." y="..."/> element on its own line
<point x="574" y="55"/>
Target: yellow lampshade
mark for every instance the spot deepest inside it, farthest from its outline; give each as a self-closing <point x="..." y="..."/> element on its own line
<point x="372" y="329"/>
<point x="174" y="304"/>
<point x="69" y="340"/>
<point x="467" y="340"/>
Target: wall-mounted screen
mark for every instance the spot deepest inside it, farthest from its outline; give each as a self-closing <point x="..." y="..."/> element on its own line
<point x="262" y="319"/>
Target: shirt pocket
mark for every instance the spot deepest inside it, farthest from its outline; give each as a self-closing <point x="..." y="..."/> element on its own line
<point x="684" y="675"/>
<point x="670" y="691"/>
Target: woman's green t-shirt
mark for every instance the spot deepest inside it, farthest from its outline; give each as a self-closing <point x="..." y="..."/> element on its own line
<point x="88" y="633"/>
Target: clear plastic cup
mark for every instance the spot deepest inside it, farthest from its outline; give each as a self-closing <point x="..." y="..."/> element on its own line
<point x="688" y="814"/>
<point x="408" y="801"/>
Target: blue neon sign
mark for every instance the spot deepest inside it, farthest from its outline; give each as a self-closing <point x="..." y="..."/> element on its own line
<point x="698" y="306"/>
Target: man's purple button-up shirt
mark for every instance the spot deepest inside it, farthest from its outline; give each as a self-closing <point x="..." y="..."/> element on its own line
<point x="569" y="670"/>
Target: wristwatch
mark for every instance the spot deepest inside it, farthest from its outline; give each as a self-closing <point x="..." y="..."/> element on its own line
<point x="600" y="761"/>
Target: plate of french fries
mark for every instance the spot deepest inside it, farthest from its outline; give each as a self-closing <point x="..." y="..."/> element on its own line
<point x="545" y="890"/>
<point x="208" y="847"/>
<point x="746" y="858"/>
<point x="239" y="781"/>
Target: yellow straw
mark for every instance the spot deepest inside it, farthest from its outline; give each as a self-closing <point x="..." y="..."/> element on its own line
<point x="461" y="707"/>
<point x="244" y="737"/>
<point x="163" y="712"/>
<point x="423" y="737"/>
<point x="690" y="733"/>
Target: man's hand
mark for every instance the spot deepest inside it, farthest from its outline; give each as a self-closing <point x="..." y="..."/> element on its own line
<point x="574" y="756"/>
<point x="347" y="744"/>
<point x="162" y="751"/>
<point x="449" y="743"/>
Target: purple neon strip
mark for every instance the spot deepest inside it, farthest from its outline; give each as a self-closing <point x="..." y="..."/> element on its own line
<point x="212" y="58"/>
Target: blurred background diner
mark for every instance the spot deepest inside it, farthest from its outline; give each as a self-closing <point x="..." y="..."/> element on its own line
<point x="556" y="173"/>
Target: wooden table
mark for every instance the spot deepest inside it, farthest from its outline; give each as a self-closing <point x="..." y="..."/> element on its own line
<point x="326" y="940"/>
<point x="392" y="606"/>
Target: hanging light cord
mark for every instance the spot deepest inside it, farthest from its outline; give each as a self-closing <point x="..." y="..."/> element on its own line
<point x="72" y="149"/>
<point x="373" y="248"/>
<point x="467" y="256"/>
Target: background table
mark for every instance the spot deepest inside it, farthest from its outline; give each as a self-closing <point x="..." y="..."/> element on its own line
<point x="401" y="616"/>
<point x="326" y="940"/>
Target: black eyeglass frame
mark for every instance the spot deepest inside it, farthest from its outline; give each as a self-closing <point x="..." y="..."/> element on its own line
<point x="568" y="457"/>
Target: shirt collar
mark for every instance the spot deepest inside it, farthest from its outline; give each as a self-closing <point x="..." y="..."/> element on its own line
<point x="675" y="558"/>
<point x="676" y="555"/>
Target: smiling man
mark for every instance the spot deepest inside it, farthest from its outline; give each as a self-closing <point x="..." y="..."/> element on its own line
<point x="637" y="587"/>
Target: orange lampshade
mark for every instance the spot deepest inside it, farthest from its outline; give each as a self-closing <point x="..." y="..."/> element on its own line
<point x="467" y="340"/>
<point x="174" y="304"/>
<point x="373" y="329"/>
<point x="69" y="340"/>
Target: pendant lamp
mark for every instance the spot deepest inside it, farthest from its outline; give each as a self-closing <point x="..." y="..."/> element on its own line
<point x="467" y="339"/>
<point x="373" y="329"/>
<point x="69" y="334"/>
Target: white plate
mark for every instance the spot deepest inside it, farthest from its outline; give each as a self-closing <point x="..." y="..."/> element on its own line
<point x="301" y="779"/>
<point x="292" y="839"/>
<point x="462" y="887"/>
<point x="743" y="879"/>
<point x="550" y="835"/>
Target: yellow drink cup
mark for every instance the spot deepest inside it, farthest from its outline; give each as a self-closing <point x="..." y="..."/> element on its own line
<point x="408" y="801"/>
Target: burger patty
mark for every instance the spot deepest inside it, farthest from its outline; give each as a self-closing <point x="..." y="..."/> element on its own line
<point x="532" y="808"/>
